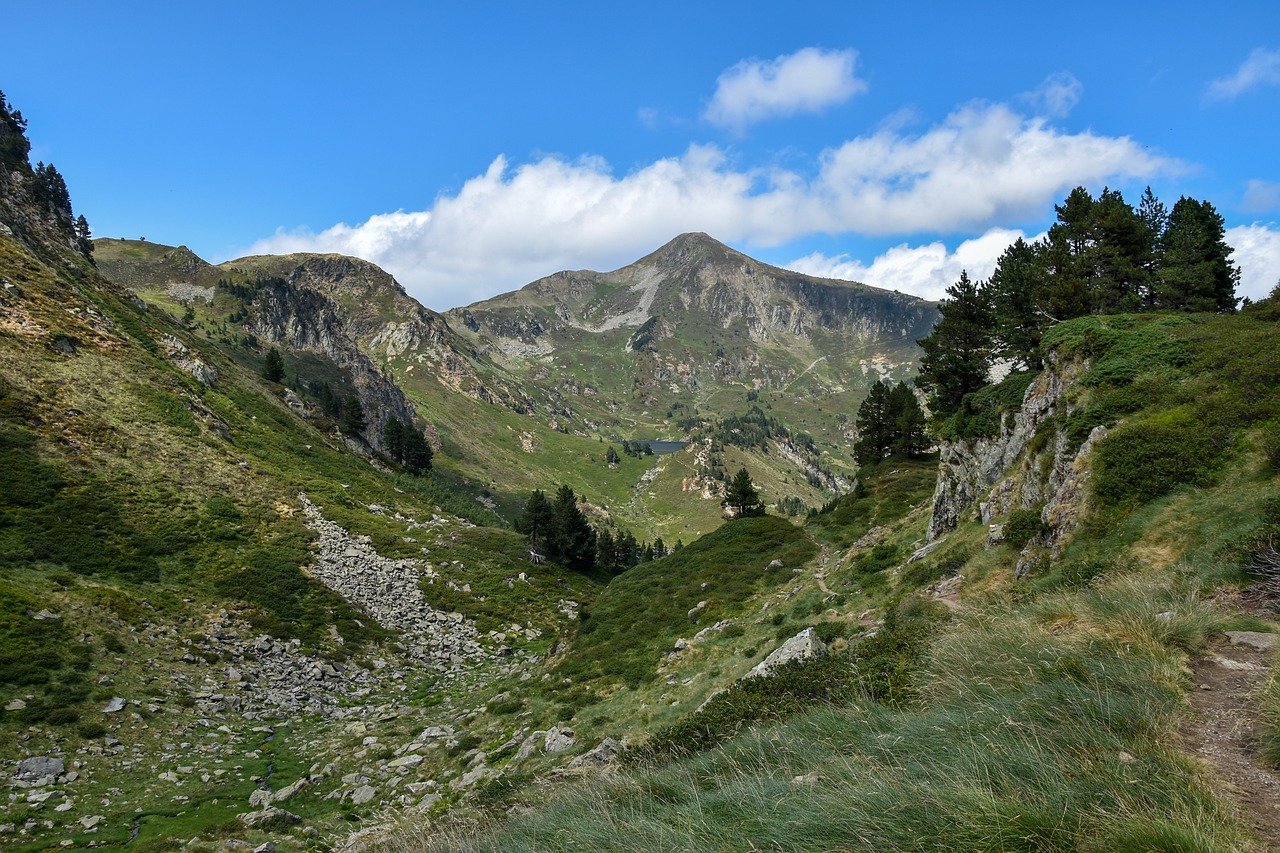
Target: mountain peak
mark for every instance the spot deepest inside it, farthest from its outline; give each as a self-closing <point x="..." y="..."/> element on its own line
<point x="689" y="248"/>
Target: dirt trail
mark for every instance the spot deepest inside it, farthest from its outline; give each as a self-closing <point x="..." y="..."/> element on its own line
<point x="1225" y="730"/>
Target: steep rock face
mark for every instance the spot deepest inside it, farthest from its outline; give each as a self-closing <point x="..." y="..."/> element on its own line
<point x="307" y="321"/>
<point x="999" y="474"/>
<point x="381" y="318"/>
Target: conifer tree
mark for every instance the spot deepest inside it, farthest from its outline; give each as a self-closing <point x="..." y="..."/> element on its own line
<point x="957" y="353"/>
<point x="742" y="499"/>
<point x="1197" y="273"/>
<point x="273" y="367"/>
<point x="571" y="539"/>
<point x="537" y="520"/>
<point x="352" y="421"/>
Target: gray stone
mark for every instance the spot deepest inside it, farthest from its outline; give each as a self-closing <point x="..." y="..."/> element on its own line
<point x="800" y="647"/>
<point x="1253" y="639"/>
<point x="559" y="739"/>
<point x="15" y="705"/>
<point x="260" y="797"/>
<point x="530" y="745"/>
<point x="606" y="752"/>
<point x="364" y="794"/>
<point x="412" y="760"/>
<point x="470" y="778"/>
<point x="40" y="767"/>
<point x="268" y="817"/>
<point x="115" y="705"/>
<point x="289" y="790"/>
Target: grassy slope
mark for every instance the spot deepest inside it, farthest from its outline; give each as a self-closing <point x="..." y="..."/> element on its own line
<point x="1043" y="716"/>
<point x="126" y="511"/>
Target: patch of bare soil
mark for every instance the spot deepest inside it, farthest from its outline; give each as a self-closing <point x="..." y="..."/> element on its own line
<point x="1226" y="726"/>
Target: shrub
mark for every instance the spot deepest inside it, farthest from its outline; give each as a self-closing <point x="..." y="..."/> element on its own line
<point x="1022" y="526"/>
<point x="1147" y="458"/>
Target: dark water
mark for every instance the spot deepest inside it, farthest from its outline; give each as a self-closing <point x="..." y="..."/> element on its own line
<point x="661" y="447"/>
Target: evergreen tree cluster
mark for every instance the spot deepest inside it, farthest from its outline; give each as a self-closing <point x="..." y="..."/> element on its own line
<point x="50" y="190"/>
<point x="1101" y="256"/>
<point x="890" y="423"/>
<point x="407" y="446"/>
<point x="559" y="530"/>
<point x="636" y="449"/>
<point x="14" y="146"/>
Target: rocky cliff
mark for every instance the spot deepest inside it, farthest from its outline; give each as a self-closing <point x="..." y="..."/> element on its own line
<point x="1030" y="464"/>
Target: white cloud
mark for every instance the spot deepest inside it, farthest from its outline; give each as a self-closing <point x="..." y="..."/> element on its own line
<point x="1257" y="254"/>
<point x="1261" y="197"/>
<point x="1261" y="68"/>
<point x="982" y="166"/>
<point x="1058" y="94"/>
<point x="925" y="271"/>
<point x="808" y="80"/>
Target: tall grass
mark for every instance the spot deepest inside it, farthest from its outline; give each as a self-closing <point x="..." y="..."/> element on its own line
<point x="1051" y="728"/>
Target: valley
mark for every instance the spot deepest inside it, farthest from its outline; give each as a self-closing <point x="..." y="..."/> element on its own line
<point x="273" y="575"/>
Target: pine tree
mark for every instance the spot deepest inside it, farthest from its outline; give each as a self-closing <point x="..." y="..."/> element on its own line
<point x="273" y="367"/>
<point x="957" y="353"/>
<point x="606" y="552"/>
<point x="352" y="422"/>
<point x="571" y="540"/>
<point x="537" y="520"/>
<point x="1197" y="273"/>
<point x="742" y="499"/>
<point x="908" y="434"/>
<point x="874" y="424"/>
<point x="611" y="457"/>
<point x="628" y="550"/>
<point x="1016" y="289"/>
<point x="417" y="452"/>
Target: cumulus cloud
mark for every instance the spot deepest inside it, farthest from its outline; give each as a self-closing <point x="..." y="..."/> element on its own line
<point x="925" y="271"/>
<point x="808" y="80"/>
<point x="982" y="165"/>
<point x="1261" y="68"/>
<point x="1257" y="255"/>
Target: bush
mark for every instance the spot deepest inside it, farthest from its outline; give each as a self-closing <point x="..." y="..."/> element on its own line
<point x="1022" y="526"/>
<point x="1147" y="458"/>
<point x="981" y="412"/>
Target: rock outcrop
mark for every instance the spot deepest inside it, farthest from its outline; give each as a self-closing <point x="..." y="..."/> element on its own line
<point x="1010" y="471"/>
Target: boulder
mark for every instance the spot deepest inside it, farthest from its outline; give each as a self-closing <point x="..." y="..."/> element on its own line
<point x="605" y="753"/>
<point x="559" y="739"/>
<point x="268" y="817"/>
<point x="363" y="794"/>
<point x="40" y="767"/>
<point x="800" y="647"/>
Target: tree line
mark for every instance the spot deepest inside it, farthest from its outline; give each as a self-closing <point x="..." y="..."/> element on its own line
<point x="558" y="529"/>
<point x="1101" y="256"/>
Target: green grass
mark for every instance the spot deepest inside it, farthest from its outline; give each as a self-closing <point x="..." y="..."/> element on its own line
<point x="642" y="611"/>
<point x="1026" y="736"/>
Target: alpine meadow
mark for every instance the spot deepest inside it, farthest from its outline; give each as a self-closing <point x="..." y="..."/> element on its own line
<point x="698" y="553"/>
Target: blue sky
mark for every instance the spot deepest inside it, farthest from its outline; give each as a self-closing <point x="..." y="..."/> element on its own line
<point x="470" y="149"/>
